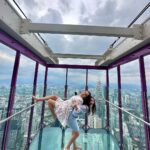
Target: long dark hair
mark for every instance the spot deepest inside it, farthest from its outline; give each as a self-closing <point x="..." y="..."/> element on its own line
<point x="93" y="108"/>
<point x="87" y="100"/>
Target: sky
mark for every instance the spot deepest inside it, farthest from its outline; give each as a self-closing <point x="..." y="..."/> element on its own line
<point x="78" y="12"/>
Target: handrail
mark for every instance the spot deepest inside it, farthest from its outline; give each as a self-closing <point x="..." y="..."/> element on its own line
<point x="6" y="119"/>
<point x="127" y="112"/>
<point x="133" y="21"/>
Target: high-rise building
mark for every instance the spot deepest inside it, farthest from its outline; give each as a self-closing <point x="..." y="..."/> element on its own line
<point x="94" y="121"/>
<point x="100" y="103"/>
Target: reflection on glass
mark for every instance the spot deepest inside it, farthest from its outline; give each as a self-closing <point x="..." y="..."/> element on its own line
<point x="113" y="98"/>
<point x="24" y="87"/>
<point x="7" y="58"/>
<point x="76" y="81"/>
<point x="133" y="130"/>
<point x="39" y="93"/>
<point x="147" y="74"/>
<point x="55" y="86"/>
<point x="97" y="86"/>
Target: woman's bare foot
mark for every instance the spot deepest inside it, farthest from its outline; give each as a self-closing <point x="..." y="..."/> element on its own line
<point x="36" y="99"/>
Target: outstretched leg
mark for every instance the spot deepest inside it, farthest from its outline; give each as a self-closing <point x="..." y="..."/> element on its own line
<point x="52" y="97"/>
<point x="74" y="136"/>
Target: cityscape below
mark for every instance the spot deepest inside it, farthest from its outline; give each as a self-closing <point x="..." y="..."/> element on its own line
<point x="131" y="101"/>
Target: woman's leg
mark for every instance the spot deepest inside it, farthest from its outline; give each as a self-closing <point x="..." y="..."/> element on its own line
<point x="52" y="97"/>
<point x="51" y="105"/>
<point x="74" y="136"/>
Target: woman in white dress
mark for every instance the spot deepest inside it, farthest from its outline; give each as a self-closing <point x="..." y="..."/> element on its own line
<point x="67" y="111"/>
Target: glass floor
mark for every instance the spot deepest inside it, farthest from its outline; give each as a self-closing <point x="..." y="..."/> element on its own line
<point x="51" y="139"/>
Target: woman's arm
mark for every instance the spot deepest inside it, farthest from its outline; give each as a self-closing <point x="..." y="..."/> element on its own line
<point x="53" y="97"/>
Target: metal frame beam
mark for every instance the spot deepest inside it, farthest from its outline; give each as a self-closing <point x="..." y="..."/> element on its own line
<point x="78" y="56"/>
<point x="66" y="84"/>
<point x="32" y="109"/>
<point x="11" y="100"/>
<point x="76" y="66"/>
<point x="126" y="47"/>
<point x="132" y="56"/>
<point x="107" y="98"/>
<point x="12" y="43"/>
<point x="120" y="105"/>
<point x="44" y="94"/>
<point x="27" y="26"/>
<point x="86" y="83"/>
<point x="10" y="22"/>
<point x="144" y="101"/>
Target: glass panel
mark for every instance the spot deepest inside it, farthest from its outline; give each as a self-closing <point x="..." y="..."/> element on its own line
<point x="113" y="98"/>
<point x="95" y="139"/>
<point x="76" y="81"/>
<point x="78" y="44"/>
<point x="39" y="93"/>
<point x="50" y="138"/>
<point x="24" y="88"/>
<point x="147" y="73"/>
<point x="133" y="129"/>
<point x="7" y="58"/>
<point x="97" y="87"/>
<point x="132" y="102"/>
<point x="55" y="86"/>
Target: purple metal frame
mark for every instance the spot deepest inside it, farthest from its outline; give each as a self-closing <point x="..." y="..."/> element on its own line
<point x="131" y="56"/>
<point x="76" y="66"/>
<point x="32" y="108"/>
<point x="120" y="105"/>
<point x="66" y="84"/>
<point x="11" y="100"/>
<point x="144" y="102"/>
<point x="44" y="94"/>
<point x="12" y="43"/>
<point x="107" y="98"/>
<point x="86" y="86"/>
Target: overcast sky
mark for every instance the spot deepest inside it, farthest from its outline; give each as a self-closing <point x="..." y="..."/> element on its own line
<point x="83" y="12"/>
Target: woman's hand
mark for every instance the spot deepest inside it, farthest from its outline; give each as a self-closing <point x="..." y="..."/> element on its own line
<point x="76" y="107"/>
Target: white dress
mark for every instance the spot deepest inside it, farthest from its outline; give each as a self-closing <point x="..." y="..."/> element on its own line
<point x="62" y="108"/>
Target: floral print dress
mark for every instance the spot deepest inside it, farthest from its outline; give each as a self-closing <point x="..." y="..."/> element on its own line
<point x="63" y="108"/>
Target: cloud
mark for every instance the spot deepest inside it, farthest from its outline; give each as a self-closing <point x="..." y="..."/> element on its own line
<point x="130" y="72"/>
<point x="52" y="16"/>
<point x="83" y="12"/>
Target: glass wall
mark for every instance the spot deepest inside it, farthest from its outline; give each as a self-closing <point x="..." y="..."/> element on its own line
<point x="55" y="86"/>
<point x="147" y="74"/>
<point x="132" y="102"/>
<point x="113" y="98"/>
<point x="76" y="81"/>
<point x="97" y="87"/>
<point x="7" y="58"/>
<point x="39" y="93"/>
<point x="24" y="88"/>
